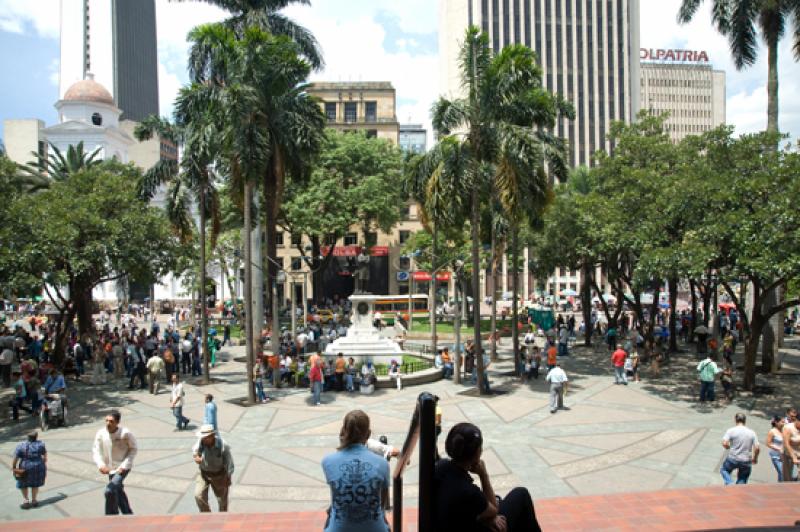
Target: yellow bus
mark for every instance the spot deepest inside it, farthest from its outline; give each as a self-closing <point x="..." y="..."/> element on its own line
<point x="390" y="306"/>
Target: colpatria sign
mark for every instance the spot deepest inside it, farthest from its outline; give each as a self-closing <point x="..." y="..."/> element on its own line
<point x="684" y="56"/>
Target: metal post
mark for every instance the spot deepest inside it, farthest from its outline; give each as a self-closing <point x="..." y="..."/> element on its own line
<point x="427" y="460"/>
<point x="294" y="307"/>
<point x="305" y="302"/>
<point x="410" y="301"/>
<point x="397" y="503"/>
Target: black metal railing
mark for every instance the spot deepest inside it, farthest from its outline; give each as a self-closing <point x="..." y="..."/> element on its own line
<point x="405" y="369"/>
<point x="422" y="429"/>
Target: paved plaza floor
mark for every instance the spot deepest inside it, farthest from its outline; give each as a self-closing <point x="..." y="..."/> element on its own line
<point x="645" y="436"/>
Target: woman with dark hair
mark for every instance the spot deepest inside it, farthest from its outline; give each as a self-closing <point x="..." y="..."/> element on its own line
<point x="460" y="505"/>
<point x="358" y="478"/>
<point x="30" y="468"/>
<point x="775" y="444"/>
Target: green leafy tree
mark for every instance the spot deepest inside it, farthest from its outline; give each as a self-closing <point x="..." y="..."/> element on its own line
<point x="72" y="246"/>
<point x="752" y="235"/>
<point x="357" y="181"/>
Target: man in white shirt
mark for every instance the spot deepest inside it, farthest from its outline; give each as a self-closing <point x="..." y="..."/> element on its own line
<point x="176" y="402"/>
<point x="558" y="382"/>
<point x="742" y="445"/>
<point x="113" y="452"/>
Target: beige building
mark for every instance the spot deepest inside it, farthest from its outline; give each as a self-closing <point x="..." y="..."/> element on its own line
<point x="360" y="106"/>
<point x="356" y="106"/>
<point x="23" y="137"/>
<point x="692" y="92"/>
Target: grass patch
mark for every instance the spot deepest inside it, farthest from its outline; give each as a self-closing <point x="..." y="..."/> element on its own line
<point x="422" y="325"/>
<point x="409" y="364"/>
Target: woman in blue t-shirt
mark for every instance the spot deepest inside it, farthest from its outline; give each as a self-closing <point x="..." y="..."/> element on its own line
<point x="359" y="480"/>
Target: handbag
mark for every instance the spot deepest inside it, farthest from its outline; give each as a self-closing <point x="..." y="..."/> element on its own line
<point x="20" y="472"/>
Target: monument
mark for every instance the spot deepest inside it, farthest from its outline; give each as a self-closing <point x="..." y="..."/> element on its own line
<point x="363" y="341"/>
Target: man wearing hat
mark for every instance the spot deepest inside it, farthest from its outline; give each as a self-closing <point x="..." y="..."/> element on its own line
<point x="216" y="468"/>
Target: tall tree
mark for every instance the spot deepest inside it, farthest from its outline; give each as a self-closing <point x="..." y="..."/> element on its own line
<point x="357" y="180"/>
<point x="72" y="246"/>
<point x="266" y="15"/>
<point x="741" y="21"/>
<point x="495" y="120"/>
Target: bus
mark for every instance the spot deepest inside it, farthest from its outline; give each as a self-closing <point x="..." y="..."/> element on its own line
<point x="391" y="306"/>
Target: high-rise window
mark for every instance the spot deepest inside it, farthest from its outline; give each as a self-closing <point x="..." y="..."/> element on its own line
<point x="330" y="111"/>
<point x="350" y="111"/>
<point x="371" y="111"/>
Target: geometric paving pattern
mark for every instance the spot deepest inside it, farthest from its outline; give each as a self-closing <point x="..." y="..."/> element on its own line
<point x="613" y="439"/>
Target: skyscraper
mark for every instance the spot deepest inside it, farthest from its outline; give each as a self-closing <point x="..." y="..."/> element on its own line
<point x="588" y="51"/>
<point x="116" y="41"/>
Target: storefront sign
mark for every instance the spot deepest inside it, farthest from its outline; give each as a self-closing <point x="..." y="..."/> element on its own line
<point x="677" y="56"/>
<point x="426" y="276"/>
<point x="342" y="251"/>
<point x="379" y="251"/>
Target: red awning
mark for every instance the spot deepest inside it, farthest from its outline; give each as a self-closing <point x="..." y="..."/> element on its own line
<point x="342" y="251"/>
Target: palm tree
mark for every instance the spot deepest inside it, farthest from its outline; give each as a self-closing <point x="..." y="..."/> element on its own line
<point x="41" y="172"/>
<point x="503" y="124"/>
<point x="265" y="15"/>
<point x="185" y="181"/>
<point x="740" y="21"/>
<point x="292" y="121"/>
<point x="270" y="126"/>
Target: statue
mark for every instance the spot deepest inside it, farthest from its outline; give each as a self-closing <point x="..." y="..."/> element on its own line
<point x="361" y="273"/>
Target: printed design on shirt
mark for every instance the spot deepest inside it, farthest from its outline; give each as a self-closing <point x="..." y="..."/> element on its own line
<point x="356" y="493"/>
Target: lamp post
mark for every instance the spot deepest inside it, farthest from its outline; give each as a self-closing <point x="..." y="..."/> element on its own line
<point x="459" y="269"/>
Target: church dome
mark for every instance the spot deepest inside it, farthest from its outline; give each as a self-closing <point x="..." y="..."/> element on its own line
<point x="88" y="90"/>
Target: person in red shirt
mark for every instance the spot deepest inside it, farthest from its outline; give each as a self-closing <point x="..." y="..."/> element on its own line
<point x="618" y="359"/>
<point x="552" y="354"/>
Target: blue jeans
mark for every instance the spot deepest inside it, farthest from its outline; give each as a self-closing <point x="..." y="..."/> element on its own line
<point x="448" y="370"/>
<point x="706" y="390"/>
<point x="179" y="419"/>
<point x="743" y="468"/>
<point x="349" y="382"/>
<point x="777" y="463"/>
<point x="563" y="350"/>
<point x="316" y="390"/>
<point x="116" y="499"/>
<point x="619" y="375"/>
<point x="260" y="395"/>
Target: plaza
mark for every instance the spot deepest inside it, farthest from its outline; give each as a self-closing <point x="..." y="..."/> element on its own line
<point x="644" y="437"/>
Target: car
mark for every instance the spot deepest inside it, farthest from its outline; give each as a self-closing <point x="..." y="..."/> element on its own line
<point x="325" y="315"/>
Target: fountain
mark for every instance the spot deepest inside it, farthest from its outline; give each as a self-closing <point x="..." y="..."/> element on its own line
<point x="363" y="340"/>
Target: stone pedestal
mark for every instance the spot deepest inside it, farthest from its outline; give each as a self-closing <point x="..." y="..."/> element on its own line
<point x="363" y="341"/>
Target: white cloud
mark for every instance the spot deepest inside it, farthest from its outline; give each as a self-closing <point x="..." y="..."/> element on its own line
<point x="43" y="15"/>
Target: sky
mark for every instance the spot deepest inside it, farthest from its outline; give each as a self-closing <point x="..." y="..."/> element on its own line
<point x="364" y="40"/>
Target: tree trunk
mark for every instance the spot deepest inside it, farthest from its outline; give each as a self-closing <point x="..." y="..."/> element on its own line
<point x="493" y="318"/>
<point x="751" y="351"/>
<point x="673" y="304"/>
<point x="63" y="326"/>
<point x="432" y="290"/>
<point x="515" y="302"/>
<point x="476" y="290"/>
<point x="772" y="84"/>
<point x="457" y="325"/>
<point x="203" y="304"/>
<point x="81" y="296"/>
<point x="248" y="290"/>
<point x="693" y="325"/>
<point x="586" y="303"/>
